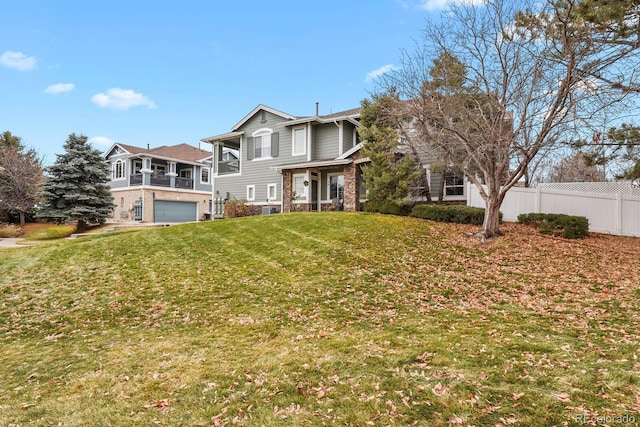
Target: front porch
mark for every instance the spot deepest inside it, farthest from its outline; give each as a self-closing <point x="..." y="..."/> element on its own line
<point x="322" y="186"/>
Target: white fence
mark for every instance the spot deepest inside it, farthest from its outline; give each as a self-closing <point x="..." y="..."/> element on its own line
<point x="607" y="213"/>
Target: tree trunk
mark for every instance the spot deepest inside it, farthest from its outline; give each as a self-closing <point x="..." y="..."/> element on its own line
<point x="491" y="224"/>
<point x="441" y="187"/>
<point x="81" y="226"/>
<point x="22" y="220"/>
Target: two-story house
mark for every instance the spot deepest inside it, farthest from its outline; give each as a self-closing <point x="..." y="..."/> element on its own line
<point x="285" y="163"/>
<point x="163" y="184"/>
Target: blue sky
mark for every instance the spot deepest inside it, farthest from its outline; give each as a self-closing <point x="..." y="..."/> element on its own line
<point x="164" y="72"/>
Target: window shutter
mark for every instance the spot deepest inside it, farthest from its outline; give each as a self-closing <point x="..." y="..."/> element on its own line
<point x="275" y="145"/>
<point x="250" y="150"/>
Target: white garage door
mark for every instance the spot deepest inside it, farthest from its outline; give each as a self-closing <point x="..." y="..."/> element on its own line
<point x="172" y="211"/>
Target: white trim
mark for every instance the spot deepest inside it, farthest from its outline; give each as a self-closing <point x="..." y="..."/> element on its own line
<point x="208" y="169"/>
<point x="123" y="165"/>
<point x="275" y="192"/>
<point x="353" y="150"/>
<point x="252" y="189"/>
<point x="262" y="132"/>
<point x="329" y="175"/>
<point x="293" y="140"/>
<point x="309" y="138"/>
<point x="305" y="195"/>
<point x="258" y="108"/>
<point x="340" y="137"/>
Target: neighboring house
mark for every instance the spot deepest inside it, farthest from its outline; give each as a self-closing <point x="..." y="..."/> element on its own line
<point x="285" y="163"/>
<point x="164" y="184"/>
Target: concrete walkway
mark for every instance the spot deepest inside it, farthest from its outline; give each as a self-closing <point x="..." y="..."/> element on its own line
<point x="11" y="242"/>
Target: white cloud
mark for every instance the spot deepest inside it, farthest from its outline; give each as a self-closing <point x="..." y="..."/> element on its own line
<point x="18" y="61"/>
<point x="378" y="72"/>
<point x="101" y="140"/>
<point x="59" y="88"/>
<point x="121" y="99"/>
<point x="431" y="5"/>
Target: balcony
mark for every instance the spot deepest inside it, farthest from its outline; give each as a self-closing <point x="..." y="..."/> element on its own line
<point x="135" y="179"/>
<point x="162" y="180"/>
<point x="226" y="167"/>
<point x="184" y="183"/>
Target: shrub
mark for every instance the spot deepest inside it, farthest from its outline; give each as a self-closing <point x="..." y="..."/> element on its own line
<point x="388" y="207"/>
<point x="450" y="213"/>
<point x="567" y="226"/>
<point x="238" y="208"/>
<point x="9" y="230"/>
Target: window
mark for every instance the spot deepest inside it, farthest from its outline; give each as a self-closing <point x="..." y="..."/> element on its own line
<point x="204" y="175"/>
<point x="336" y="187"/>
<point x="118" y="169"/>
<point x="261" y="146"/>
<point x="137" y="167"/>
<point x="158" y="169"/>
<point x="454" y="184"/>
<point x="271" y="192"/>
<point x="299" y="141"/>
<point x="251" y="192"/>
<point x="299" y="188"/>
<point x="185" y="173"/>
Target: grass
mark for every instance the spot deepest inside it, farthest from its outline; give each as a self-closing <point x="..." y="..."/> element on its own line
<point x="316" y="319"/>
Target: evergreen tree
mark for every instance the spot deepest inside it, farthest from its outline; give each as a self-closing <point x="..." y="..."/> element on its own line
<point x="389" y="173"/>
<point x="76" y="188"/>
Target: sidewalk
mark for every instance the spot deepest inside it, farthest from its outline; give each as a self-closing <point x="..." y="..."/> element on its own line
<point x="11" y="242"/>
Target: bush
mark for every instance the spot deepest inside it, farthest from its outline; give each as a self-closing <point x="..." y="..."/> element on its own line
<point x="450" y="213"/>
<point x="238" y="208"/>
<point x="9" y="230"/>
<point x="567" y="226"/>
<point x="388" y="207"/>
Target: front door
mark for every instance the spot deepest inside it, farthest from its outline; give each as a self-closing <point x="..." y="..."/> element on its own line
<point x="314" y="194"/>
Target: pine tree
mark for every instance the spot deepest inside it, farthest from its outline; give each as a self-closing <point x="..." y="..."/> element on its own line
<point x="76" y="188"/>
<point x="389" y="173"/>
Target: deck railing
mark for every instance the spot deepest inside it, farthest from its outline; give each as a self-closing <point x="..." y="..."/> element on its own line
<point x="228" y="166"/>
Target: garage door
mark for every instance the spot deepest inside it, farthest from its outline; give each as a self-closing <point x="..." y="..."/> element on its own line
<point x="172" y="211"/>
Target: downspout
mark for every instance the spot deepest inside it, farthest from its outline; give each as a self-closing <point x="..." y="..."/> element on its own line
<point x="340" y="136"/>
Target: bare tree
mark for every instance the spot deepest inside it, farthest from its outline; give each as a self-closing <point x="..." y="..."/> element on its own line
<point x="576" y="168"/>
<point x="20" y="179"/>
<point x="493" y="85"/>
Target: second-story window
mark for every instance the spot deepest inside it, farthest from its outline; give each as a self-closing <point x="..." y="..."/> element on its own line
<point x="204" y="175"/>
<point x="262" y="146"/>
<point x="118" y="170"/>
<point x="299" y="141"/>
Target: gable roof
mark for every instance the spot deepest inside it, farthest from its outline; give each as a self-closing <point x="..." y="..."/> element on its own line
<point x="265" y="108"/>
<point x="348" y="115"/>
<point x="184" y="152"/>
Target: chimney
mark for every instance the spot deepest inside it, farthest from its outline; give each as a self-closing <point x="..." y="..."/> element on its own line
<point x="317" y="108"/>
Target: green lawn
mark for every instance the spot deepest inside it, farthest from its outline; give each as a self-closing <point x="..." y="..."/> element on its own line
<point x="319" y="319"/>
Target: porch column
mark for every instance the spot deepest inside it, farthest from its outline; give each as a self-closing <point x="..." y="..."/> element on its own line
<point x="287" y="190"/>
<point x="351" y="188"/>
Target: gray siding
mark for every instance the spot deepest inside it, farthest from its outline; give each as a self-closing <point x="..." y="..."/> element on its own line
<point x="325" y="142"/>
<point x="259" y="172"/>
<point x="347" y="136"/>
<point x="199" y="186"/>
<point x="121" y="183"/>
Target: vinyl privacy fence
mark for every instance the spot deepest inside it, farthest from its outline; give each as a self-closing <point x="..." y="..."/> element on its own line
<point x="612" y="213"/>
